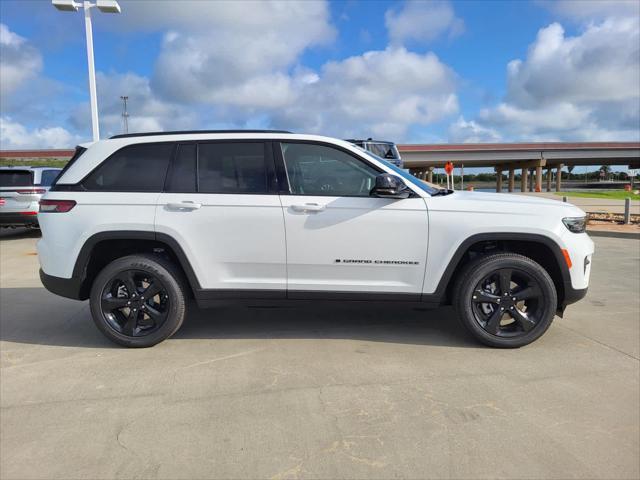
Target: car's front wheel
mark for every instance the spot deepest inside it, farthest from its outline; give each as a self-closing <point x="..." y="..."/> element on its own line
<point x="505" y="300"/>
<point x="138" y="300"/>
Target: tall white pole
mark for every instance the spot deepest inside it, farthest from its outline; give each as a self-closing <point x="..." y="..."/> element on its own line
<point x="92" y="72"/>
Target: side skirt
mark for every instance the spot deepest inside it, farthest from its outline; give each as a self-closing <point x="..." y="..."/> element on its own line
<point x="269" y="298"/>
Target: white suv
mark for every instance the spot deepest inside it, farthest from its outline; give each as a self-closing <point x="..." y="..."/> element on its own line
<point x="138" y="224"/>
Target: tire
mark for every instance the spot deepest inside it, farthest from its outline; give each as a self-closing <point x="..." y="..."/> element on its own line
<point x="501" y="316"/>
<point x="119" y="290"/>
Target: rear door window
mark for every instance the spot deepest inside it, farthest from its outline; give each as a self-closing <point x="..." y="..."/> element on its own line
<point x="136" y="168"/>
<point x="16" y="178"/>
<point x="233" y="167"/>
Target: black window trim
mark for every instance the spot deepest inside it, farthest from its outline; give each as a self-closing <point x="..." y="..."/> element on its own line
<point x="174" y="156"/>
<point x="284" y="178"/>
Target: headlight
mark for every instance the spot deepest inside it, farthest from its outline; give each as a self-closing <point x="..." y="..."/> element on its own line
<point x="575" y="224"/>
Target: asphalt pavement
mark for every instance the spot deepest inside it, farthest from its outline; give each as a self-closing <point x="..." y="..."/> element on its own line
<point x="319" y="391"/>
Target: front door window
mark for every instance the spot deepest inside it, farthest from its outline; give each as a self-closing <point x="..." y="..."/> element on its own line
<point x="318" y="170"/>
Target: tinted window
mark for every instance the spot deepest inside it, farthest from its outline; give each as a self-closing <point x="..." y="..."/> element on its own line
<point x="320" y="170"/>
<point x="138" y="168"/>
<point x="232" y="168"/>
<point x="47" y="177"/>
<point x="182" y="177"/>
<point x="383" y="150"/>
<point x="16" y="178"/>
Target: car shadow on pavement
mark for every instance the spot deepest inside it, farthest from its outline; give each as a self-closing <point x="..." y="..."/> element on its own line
<point x="35" y="316"/>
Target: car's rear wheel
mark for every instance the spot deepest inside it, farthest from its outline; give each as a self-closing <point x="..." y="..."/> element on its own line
<point x="505" y="300"/>
<point x="138" y="300"/>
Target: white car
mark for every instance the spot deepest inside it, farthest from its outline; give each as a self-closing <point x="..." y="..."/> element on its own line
<point x="138" y="224"/>
<point x="20" y="191"/>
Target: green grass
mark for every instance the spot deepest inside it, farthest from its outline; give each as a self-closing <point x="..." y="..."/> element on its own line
<point x="612" y="194"/>
<point x="58" y="163"/>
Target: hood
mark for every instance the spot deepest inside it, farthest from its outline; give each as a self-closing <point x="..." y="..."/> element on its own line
<point x="504" y="203"/>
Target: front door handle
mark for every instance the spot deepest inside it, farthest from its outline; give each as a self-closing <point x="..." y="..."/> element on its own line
<point x="308" y="207"/>
<point x="186" y="205"/>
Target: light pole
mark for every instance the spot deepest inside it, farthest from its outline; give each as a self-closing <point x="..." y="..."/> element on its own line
<point x="125" y="114"/>
<point x="105" y="6"/>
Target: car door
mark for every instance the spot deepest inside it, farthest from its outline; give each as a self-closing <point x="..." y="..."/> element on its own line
<point x="221" y="205"/>
<point x="342" y="242"/>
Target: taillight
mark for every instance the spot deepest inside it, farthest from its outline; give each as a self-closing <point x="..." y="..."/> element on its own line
<point x="31" y="191"/>
<point x="56" y="206"/>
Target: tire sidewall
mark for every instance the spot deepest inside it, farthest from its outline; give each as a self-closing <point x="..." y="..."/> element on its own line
<point x="155" y="268"/>
<point x="482" y="268"/>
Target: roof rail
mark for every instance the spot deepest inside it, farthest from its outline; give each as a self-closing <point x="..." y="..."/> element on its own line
<point x="191" y="132"/>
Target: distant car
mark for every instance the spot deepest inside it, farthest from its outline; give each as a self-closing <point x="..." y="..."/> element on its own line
<point x="381" y="148"/>
<point x="20" y="191"/>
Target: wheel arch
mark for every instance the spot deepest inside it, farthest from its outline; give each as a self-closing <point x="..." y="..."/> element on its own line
<point x="104" y="247"/>
<point x="540" y="248"/>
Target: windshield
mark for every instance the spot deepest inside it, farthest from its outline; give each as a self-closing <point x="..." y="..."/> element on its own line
<point x="425" y="187"/>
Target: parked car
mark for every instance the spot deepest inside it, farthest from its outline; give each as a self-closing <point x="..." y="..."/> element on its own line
<point x="20" y="191"/>
<point x="381" y="148"/>
<point x="138" y="224"/>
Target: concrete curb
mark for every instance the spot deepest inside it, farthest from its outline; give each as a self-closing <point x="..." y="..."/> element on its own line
<point x="604" y="233"/>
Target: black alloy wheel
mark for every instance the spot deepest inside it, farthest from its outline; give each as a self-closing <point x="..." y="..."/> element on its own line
<point x="135" y="303"/>
<point x="139" y="300"/>
<point x="505" y="300"/>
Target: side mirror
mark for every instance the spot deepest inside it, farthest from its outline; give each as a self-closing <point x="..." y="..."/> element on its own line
<point x="390" y="186"/>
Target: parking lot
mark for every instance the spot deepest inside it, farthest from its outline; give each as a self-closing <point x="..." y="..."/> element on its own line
<point x="319" y="391"/>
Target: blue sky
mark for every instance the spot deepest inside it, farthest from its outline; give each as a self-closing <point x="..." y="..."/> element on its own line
<point x="427" y="71"/>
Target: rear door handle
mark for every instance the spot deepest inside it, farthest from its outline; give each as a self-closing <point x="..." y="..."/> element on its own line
<point x="308" y="207"/>
<point x="184" y="205"/>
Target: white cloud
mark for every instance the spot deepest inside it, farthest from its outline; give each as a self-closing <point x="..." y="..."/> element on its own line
<point x="594" y="9"/>
<point x="235" y="53"/>
<point x="379" y="93"/>
<point x="237" y="64"/>
<point x="422" y="21"/>
<point x="584" y="87"/>
<point x="19" y="61"/>
<point x="14" y="135"/>
<point x="601" y="64"/>
<point x="147" y="111"/>
<point x="463" y="131"/>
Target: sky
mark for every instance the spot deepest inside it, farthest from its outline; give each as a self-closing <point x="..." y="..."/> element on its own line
<point x="411" y="72"/>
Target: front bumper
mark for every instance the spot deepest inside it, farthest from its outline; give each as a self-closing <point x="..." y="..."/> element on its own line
<point x="18" y="219"/>
<point x="65" y="287"/>
<point x="571" y="295"/>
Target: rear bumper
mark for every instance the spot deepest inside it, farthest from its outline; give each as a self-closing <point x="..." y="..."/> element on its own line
<point x="65" y="287"/>
<point x="17" y="219"/>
